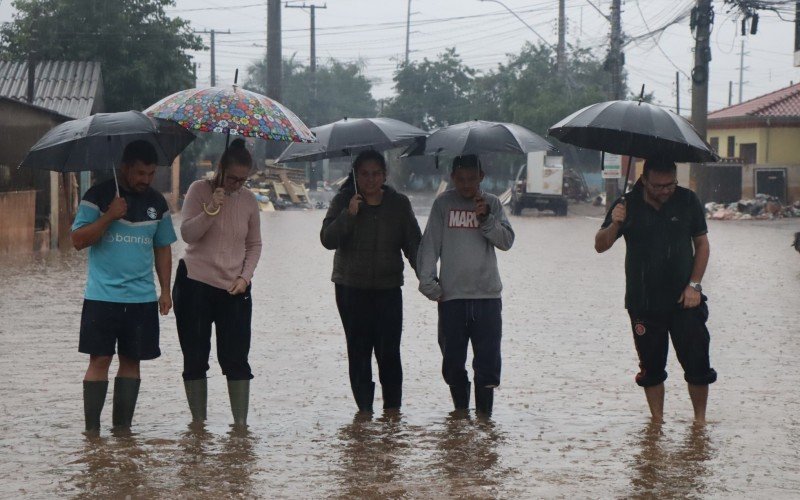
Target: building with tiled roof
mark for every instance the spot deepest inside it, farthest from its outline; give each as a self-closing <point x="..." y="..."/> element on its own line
<point x="759" y="141"/>
<point x="70" y="88"/>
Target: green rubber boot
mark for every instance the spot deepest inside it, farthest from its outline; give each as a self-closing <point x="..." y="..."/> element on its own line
<point x="197" y="395"/>
<point x="239" y="393"/>
<point x="126" y="392"/>
<point x="94" y="398"/>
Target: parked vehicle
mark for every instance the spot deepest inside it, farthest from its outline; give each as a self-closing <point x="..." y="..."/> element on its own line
<point x="539" y="184"/>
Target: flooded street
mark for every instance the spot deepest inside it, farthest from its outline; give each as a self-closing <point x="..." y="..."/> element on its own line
<point x="569" y="420"/>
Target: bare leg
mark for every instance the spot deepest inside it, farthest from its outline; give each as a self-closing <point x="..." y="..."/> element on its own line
<point x="98" y="368"/>
<point x="655" y="399"/>
<point x="699" y="395"/>
<point x="128" y="368"/>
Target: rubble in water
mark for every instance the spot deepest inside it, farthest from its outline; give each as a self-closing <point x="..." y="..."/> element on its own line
<point x="762" y="207"/>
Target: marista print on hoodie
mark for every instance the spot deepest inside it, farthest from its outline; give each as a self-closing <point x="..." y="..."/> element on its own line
<point x="465" y="246"/>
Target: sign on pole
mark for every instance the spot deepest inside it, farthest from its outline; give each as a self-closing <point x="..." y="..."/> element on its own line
<point x="612" y="166"/>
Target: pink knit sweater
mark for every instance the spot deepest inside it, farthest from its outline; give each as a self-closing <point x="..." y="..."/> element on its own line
<point x="223" y="247"/>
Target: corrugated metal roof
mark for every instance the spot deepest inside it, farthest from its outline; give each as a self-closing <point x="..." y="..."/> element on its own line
<point x="784" y="102"/>
<point x="66" y="87"/>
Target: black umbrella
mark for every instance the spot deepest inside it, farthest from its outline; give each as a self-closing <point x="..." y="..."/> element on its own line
<point x="96" y="142"/>
<point x="479" y="137"/>
<point x="634" y="128"/>
<point x="353" y="135"/>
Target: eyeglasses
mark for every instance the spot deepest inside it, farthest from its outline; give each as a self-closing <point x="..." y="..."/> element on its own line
<point x="663" y="187"/>
<point x="235" y="180"/>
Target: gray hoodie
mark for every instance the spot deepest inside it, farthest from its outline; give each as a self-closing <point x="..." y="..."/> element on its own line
<point x="465" y="247"/>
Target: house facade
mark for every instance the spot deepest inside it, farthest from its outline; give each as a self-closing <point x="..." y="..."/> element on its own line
<point x="759" y="141"/>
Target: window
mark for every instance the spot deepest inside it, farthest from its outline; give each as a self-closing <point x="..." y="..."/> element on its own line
<point x="714" y="144"/>
<point x="731" y="146"/>
<point x="748" y="153"/>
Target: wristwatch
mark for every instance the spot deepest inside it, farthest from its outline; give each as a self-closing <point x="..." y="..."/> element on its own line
<point x="696" y="286"/>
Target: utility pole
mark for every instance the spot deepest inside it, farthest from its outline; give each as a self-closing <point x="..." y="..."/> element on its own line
<point x="702" y="16"/>
<point x="742" y="67"/>
<point x="730" y="92"/>
<point x="613" y="64"/>
<point x="561" y="52"/>
<point x="408" y="30"/>
<point x="213" y="61"/>
<point x="677" y="92"/>
<point x="616" y="59"/>
<point x="313" y="8"/>
<point x="212" y="38"/>
<point x="274" y="58"/>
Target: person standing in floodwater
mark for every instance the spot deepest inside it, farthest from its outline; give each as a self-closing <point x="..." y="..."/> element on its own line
<point x="464" y="228"/>
<point x="667" y="251"/>
<point x="371" y="226"/>
<point x="127" y="232"/>
<point x="222" y="229"/>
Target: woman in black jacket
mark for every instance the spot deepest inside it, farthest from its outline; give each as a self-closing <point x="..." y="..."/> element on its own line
<point x="371" y="226"/>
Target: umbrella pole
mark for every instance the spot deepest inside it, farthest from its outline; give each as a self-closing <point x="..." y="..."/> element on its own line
<point x="627" y="175"/>
<point x="116" y="182"/>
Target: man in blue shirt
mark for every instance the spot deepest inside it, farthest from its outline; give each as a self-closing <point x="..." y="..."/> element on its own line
<point x="127" y="232"/>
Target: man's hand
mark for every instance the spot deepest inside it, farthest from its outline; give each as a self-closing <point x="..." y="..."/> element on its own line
<point x="689" y="298"/>
<point x="217" y="199"/>
<point x="355" y="204"/>
<point x="481" y="207"/>
<point x="619" y="213"/>
<point x="164" y="303"/>
<point x="239" y="286"/>
<point x="117" y="208"/>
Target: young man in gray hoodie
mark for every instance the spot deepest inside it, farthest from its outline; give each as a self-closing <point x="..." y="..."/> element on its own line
<point x="464" y="227"/>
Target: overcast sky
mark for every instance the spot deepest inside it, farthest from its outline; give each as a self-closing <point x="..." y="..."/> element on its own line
<point x="483" y="32"/>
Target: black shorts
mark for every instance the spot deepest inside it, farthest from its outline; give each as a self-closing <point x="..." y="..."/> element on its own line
<point x="134" y="327"/>
<point x="690" y="337"/>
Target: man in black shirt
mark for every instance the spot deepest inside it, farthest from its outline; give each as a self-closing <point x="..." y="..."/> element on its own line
<point x="667" y="252"/>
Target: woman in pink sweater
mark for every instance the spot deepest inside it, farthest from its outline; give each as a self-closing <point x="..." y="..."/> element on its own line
<point x="223" y="235"/>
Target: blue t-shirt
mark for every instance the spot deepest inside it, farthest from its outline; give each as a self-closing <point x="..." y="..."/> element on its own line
<point x="121" y="262"/>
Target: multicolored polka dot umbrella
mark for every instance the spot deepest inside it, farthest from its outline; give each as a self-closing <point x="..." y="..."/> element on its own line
<point x="233" y="111"/>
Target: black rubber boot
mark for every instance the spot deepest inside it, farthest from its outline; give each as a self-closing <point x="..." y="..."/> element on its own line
<point x="364" y="395"/>
<point x="392" y="396"/>
<point x="239" y="394"/>
<point x="484" y="399"/>
<point x="94" y="398"/>
<point x="126" y="392"/>
<point x="460" y="394"/>
<point x="197" y="396"/>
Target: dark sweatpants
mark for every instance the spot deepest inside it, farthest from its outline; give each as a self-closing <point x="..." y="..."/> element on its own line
<point x="373" y="320"/>
<point x="198" y="305"/>
<point x="476" y="320"/>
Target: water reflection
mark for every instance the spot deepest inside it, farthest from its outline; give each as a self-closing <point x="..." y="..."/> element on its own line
<point x="114" y="467"/>
<point x="467" y="454"/>
<point x="665" y="469"/>
<point x="370" y="456"/>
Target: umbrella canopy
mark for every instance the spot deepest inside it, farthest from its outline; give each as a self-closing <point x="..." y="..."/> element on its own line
<point x="96" y="142"/>
<point x="233" y="111"/>
<point x="634" y="128"/>
<point x="353" y="135"/>
<point x="480" y="137"/>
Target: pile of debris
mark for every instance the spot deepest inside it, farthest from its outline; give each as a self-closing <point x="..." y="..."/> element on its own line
<point x="279" y="188"/>
<point x="762" y="207"/>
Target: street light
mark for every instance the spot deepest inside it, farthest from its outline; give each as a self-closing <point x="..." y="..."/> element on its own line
<point x="522" y="20"/>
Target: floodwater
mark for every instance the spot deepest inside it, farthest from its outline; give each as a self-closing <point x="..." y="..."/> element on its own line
<point x="569" y="420"/>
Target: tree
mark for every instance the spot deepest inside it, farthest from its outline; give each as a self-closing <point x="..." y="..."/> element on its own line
<point x="341" y="90"/>
<point x="433" y="94"/>
<point x="529" y="91"/>
<point x="141" y="49"/>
